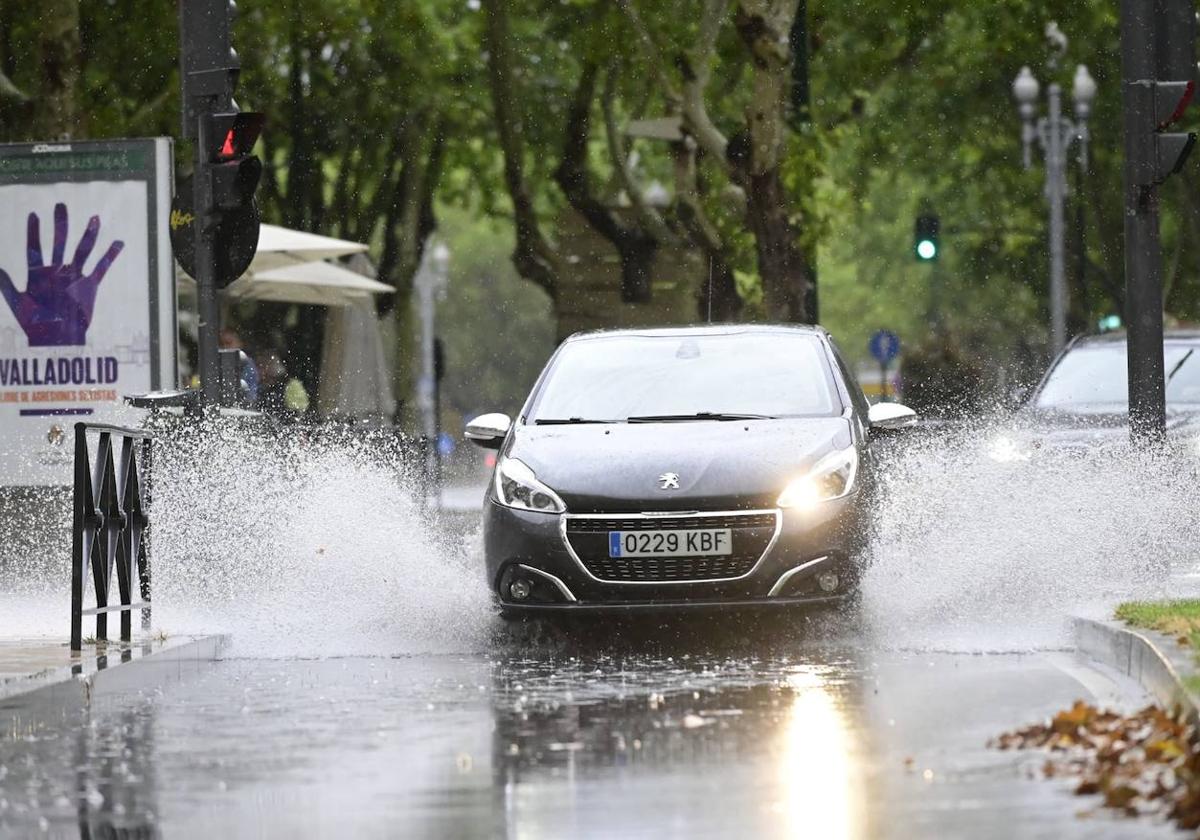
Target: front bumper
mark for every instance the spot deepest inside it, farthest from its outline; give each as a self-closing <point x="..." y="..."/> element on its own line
<point x="534" y="547"/>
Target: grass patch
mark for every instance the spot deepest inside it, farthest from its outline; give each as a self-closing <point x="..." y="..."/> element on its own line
<point x="1180" y="619"/>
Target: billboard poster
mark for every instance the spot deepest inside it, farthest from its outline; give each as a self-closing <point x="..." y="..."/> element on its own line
<point x="87" y="295"/>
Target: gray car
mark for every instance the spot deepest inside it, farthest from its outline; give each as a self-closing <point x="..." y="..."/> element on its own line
<point x="671" y="468"/>
<point x="1081" y="405"/>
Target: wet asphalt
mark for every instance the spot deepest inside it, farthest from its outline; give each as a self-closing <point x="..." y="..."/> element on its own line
<point x="711" y="727"/>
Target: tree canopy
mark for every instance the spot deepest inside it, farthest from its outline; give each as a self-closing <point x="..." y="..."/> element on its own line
<point x="795" y="141"/>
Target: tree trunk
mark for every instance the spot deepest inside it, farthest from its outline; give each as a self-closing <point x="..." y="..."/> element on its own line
<point x="301" y="167"/>
<point x="533" y="257"/>
<point x="717" y="298"/>
<point x="635" y="246"/>
<point x="407" y="225"/>
<point x="58" y="46"/>
<point x="764" y="27"/>
<point x="781" y="263"/>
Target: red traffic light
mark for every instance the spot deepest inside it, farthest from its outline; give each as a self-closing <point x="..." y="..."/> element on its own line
<point x="1171" y="100"/>
<point x="233" y="135"/>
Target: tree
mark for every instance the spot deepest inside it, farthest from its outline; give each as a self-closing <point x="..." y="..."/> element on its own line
<point x="381" y="113"/>
<point x="750" y="164"/>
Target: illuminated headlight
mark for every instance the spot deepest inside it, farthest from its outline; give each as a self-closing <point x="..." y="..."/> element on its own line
<point x="517" y="487"/>
<point x="831" y="478"/>
<point x="1005" y="450"/>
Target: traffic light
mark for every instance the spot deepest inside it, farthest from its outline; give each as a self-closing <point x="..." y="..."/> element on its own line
<point x="226" y="174"/>
<point x="208" y="64"/>
<point x="235" y="172"/>
<point x="214" y="228"/>
<point x="1172" y="89"/>
<point x="925" y="238"/>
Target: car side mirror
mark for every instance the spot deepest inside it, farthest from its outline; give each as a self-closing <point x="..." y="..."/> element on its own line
<point x="891" y="416"/>
<point x="488" y="430"/>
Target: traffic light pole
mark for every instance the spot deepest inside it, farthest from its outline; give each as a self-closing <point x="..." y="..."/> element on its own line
<point x="1143" y="255"/>
<point x="206" y="288"/>
<point x="224" y="220"/>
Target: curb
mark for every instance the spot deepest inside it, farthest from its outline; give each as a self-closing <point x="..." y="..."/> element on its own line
<point x="101" y="679"/>
<point x="1154" y="660"/>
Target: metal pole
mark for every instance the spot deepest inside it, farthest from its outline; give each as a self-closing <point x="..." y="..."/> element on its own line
<point x="430" y="279"/>
<point x="1055" y="187"/>
<point x="206" y="290"/>
<point x="1143" y="256"/>
<point x="79" y="544"/>
<point x="437" y="421"/>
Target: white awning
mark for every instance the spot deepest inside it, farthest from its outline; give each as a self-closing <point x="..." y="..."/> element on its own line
<point x="320" y="283"/>
<point x="279" y="247"/>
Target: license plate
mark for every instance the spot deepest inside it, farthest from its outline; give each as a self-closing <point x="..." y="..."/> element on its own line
<point x="690" y="542"/>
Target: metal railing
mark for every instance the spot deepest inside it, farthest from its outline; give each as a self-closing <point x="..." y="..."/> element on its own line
<point x="112" y="496"/>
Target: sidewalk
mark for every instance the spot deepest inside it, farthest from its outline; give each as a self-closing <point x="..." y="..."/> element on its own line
<point x="42" y="678"/>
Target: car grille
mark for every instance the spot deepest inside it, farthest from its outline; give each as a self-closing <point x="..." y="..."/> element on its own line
<point x="588" y="538"/>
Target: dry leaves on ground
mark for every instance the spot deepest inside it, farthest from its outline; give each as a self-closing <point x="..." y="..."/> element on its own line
<point x="1147" y="762"/>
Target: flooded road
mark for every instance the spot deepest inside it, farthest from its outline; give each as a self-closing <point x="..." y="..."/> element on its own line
<point x="371" y="692"/>
<point x="796" y="729"/>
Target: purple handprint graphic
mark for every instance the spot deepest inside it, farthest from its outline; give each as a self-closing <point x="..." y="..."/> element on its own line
<point x="55" y="309"/>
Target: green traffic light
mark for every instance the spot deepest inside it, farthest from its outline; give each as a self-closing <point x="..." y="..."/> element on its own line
<point x="925" y="237"/>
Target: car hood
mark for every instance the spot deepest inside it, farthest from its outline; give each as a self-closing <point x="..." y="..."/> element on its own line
<point x="721" y="465"/>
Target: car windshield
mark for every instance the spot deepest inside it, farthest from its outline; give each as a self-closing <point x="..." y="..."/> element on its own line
<point x="674" y="377"/>
<point x="1093" y="379"/>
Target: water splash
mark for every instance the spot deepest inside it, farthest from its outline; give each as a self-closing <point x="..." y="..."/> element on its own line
<point x="984" y="543"/>
<point x="308" y="547"/>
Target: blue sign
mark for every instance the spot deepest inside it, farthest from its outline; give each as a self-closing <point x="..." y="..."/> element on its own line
<point x="884" y="346"/>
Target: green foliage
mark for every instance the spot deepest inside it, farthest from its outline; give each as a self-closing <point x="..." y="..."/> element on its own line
<point x="915" y="109"/>
<point x="1152" y="614"/>
<point x="911" y="108"/>
<point x="1177" y="618"/>
<point x="497" y="329"/>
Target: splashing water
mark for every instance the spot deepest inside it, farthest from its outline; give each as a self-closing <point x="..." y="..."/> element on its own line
<point x="303" y="547"/>
<point x="978" y="549"/>
<point x="316" y="547"/>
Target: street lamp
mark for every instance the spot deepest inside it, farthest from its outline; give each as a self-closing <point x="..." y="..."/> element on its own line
<point x="1055" y="133"/>
<point x="431" y="280"/>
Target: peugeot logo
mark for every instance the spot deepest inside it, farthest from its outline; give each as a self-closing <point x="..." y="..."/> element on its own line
<point x="669" y="481"/>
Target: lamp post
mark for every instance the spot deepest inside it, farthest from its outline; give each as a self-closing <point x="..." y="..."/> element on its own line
<point x="430" y="281"/>
<point x="1055" y="134"/>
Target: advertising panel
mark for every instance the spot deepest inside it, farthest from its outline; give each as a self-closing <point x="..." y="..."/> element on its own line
<point x="87" y="295"/>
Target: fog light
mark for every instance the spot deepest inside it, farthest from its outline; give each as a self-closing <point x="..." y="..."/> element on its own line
<point x="828" y="582"/>
<point x="519" y="589"/>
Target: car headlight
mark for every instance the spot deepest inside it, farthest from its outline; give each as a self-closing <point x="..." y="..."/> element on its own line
<point x="1005" y="450"/>
<point x="517" y="487"/>
<point x="831" y="478"/>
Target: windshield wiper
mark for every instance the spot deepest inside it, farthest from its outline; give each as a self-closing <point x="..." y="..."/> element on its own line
<point x="565" y="421"/>
<point x="699" y="415"/>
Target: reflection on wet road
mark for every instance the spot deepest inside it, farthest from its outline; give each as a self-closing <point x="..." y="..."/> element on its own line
<point x="804" y="731"/>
